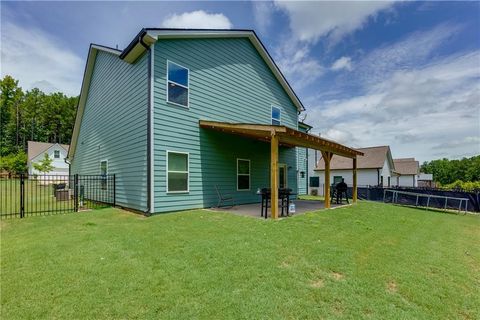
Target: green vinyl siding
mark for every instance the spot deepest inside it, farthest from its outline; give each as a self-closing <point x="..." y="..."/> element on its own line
<point x="230" y="82"/>
<point x="302" y="166"/>
<point x="114" y="127"/>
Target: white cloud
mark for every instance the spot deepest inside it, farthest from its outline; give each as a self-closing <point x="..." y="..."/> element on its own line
<point x="416" y="49"/>
<point x="297" y="65"/>
<point x="197" y="20"/>
<point x="38" y="60"/>
<point x="422" y="106"/>
<point x="262" y="13"/>
<point x="311" y="20"/>
<point x="342" y="63"/>
<point x="340" y="136"/>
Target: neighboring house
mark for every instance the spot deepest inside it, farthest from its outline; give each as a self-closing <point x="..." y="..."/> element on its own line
<point x="407" y="170"/>
<point x="57" y="152"/>
<point x="425" y="180"/>
<point x="179" y="112"/>
<point x="375" y="168"/>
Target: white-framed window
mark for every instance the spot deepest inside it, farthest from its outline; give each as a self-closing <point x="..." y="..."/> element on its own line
<point x="104" y="167"/>
<point x="276" y="115"/>
<point x="243" y="174"/>
<point x="177" y="84"/>
<point x="103" y="173"/>
<point x="177" y="172"/>
<point x="56" y="154"/>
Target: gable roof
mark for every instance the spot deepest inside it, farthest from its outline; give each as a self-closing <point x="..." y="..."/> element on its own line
<point x="148" y="36"/>
<point x="35" y="148"/>
<point x="373" y="158"/>
<point x="406" y="166"/>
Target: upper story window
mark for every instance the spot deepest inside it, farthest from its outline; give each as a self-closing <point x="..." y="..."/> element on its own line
<point x="56" y="154"/>
<point x="177" y="84"/>
<point x="276" y="115"/>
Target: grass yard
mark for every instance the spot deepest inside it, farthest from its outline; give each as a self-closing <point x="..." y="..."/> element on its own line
<point x="39" y="197"/>
<point x="367" y="261"/>
<point x="309" y="197"/>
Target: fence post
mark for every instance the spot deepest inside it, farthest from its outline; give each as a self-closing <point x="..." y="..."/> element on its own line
<point x="114" y="191"/>
<point x="75" y="192"/>
<point x="22" y="196"/>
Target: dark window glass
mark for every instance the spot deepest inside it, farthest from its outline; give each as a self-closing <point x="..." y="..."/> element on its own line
<point x="276" y="116"/>
<point x="243" y="182"/>
<point x="177" y="74"/>
<point x="243" y="174"/>
<point x="177" y="162"/>
<point x="314" y="182"/>
<point x="177" y="94"/>
<point x="177" y="181"/>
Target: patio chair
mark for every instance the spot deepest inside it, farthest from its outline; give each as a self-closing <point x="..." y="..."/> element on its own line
<point x="224" y="197"/>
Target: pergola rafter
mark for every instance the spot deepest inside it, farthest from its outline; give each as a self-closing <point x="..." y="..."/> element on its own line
<point x="285" y="136"/>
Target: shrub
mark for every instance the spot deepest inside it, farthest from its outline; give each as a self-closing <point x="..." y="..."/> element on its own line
<point x="14" y="163"/>
<point x="461" y="185"/>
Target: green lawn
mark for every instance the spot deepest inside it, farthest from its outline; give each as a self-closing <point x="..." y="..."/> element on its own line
<point x="365" y="261"/>
<point x="39" y="197"/>
<point x="309" y="197"/>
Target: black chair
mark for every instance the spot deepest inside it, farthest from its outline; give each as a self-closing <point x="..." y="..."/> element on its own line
<point x="224" y="197"/>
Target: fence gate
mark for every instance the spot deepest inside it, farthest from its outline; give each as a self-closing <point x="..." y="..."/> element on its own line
<point x="32" y="195"/>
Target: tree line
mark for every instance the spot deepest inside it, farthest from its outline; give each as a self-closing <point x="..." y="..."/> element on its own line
<point x="31" y="115"/>
<point x="458" y="172"/>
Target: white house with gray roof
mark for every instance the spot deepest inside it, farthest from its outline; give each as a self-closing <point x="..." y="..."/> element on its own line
<point x="57" y="152"/>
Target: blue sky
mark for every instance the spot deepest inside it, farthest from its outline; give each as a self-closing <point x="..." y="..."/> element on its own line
<point x="404" y="74"/>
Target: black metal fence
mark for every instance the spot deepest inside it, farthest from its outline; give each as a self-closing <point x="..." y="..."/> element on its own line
<point x="439" y="201"/>
<point x="33" y="195"/>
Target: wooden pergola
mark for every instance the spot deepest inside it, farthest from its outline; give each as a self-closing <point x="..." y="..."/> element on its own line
<point x="285" y="136"/>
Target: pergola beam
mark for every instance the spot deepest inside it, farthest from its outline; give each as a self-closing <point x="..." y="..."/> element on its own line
<point x="327" y="156"/>
<point x="355" y="190"/>
<point x="286" y="136"/>
<point x="274" y="175"/>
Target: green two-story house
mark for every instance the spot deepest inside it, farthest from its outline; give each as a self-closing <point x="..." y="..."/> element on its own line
<point x="181" y="113"/>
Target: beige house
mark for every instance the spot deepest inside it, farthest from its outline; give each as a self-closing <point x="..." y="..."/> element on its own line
<point x="375" y="167"/>
<point x="407" y="171"/>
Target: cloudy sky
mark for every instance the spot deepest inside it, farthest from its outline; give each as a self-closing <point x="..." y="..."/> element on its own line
<point x="369" y="73"/>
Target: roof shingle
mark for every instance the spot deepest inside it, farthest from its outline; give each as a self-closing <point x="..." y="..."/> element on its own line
<point x="406" y="166"/>
<point x="374" y="157"/>
<point x="35" y="148"/>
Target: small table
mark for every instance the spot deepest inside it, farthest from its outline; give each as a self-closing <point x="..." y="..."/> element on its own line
<point x="283" y="195"/>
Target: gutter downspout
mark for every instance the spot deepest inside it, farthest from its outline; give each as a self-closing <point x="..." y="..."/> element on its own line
<point x="67" y="161"/>
<point x="150" y="172"/>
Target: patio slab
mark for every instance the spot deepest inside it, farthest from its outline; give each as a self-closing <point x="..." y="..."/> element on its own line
<point x="253" y="209"/>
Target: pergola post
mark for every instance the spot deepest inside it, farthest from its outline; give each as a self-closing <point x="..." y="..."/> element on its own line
<point x="354" y="193"/>
<point x="327" y="156"/>
<point x="274" y="175"/>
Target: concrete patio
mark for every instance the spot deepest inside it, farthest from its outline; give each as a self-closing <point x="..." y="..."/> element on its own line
<point x="253" y="209"/>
